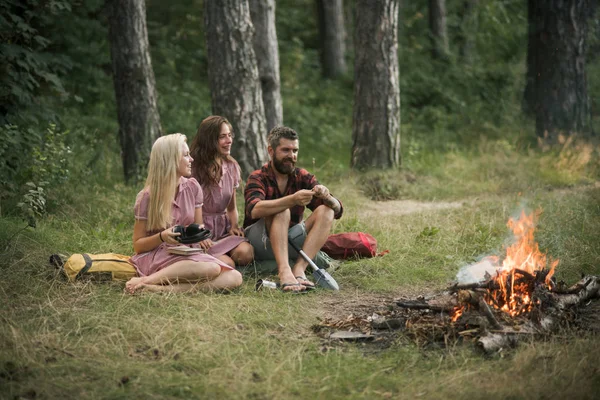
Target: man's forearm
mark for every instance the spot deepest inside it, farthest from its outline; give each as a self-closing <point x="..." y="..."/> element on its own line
<point x="266" y="208"/>
<point x="332" y="203"/>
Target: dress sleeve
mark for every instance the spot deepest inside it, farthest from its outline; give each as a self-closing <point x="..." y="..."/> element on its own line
<point x="141" y="205"/>
<point x="236" y="174"/>
<point x="198" y="194"/>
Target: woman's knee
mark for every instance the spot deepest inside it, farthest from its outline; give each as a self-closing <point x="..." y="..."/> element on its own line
<point x="243" y="254"/>
<point x="234" y="278"/>
<point x="209" y="270"/>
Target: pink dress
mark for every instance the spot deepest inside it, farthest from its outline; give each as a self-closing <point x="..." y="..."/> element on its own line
<point x="187" y="199"/>
<point x="214" y="210"/>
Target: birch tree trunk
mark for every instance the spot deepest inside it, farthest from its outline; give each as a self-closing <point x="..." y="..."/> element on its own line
<point x="376" y="116"/>
<point x="234" y="81"/>
<point x="133" y="78"/>
<point x="556" y="89"/>
<point x="262" y="13"/>
<point x="333" y="37"/>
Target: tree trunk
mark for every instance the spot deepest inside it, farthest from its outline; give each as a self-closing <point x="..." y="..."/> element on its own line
<point x="376" y="117"/>
<point x="438" y="29"/>
<point x="556" y="88"/>
<point x="133" y="77"/>
<point x="267" y="56"/>
<point x="468" y="31"/>
<point x="234" y="81"/>
<point x="333" y="37"/>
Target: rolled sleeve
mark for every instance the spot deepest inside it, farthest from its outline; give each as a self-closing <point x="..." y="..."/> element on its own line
<point x="254" y="192"/>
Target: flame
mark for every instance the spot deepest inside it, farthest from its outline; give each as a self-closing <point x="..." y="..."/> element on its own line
<point x="515" y="280"/>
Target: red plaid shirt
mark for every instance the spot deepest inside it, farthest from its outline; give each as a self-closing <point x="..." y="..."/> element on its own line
<point x="262" y="185"/>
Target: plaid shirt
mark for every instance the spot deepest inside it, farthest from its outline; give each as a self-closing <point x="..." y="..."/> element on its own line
<point x="262" y="185"/>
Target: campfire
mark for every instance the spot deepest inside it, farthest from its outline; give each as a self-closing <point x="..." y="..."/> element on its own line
<point x="518" y="275"/>
<point x="501" y="300"/>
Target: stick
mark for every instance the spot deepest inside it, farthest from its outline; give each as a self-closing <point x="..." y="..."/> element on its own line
<point x="423" y="306"/>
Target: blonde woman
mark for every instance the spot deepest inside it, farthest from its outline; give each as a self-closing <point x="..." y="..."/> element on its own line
<point x="170" y="198"/>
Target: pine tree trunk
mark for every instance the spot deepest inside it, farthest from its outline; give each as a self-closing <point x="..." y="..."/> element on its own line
<point x="556" y="91"/>
<point x="333" y="36"/>
<point x="438" y="29"/>
<point x="234" y="82"/>
<point x="135" y="91"/>
<point x="267" y="56"/>
<point x="376" y="118"/>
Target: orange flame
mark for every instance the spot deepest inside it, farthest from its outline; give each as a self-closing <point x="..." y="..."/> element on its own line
<point x="523" y="260"/>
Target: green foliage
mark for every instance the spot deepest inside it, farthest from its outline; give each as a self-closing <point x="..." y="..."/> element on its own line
<point x="32" y="161"/>
<point x="30" y="69"/>
<point x="33" y="204"/>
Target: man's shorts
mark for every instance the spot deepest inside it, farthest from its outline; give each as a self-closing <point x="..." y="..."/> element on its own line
<point x="259" y="239"/>
<point x="264" y="259"/>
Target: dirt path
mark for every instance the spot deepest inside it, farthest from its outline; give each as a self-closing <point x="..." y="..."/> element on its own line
<point x="404" y="207"/>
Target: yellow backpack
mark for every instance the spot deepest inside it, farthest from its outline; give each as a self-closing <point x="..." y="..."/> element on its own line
<point x="99" y="267"/>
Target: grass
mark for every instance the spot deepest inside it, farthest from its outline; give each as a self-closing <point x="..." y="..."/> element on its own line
<point x="62" y="340"/>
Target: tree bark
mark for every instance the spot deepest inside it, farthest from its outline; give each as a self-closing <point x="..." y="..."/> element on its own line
<point x="376" y="116"/>
<point x="333" y="37"/>
<point x="135" y="91"/>
<point x="262" y="13"/>
<point x="556" y="85"/>
<point x="234" y="81"/>
<point x="438" y="29"/>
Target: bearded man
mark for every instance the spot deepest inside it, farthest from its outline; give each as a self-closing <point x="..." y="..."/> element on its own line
<point x="276" y="196"/>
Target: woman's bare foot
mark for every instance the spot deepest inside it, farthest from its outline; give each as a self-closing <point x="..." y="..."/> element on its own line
<point x="134" y="284"/>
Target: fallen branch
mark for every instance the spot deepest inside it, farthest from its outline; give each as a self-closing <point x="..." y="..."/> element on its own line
<point x="494" y="341"/>
<point x="417" y="305"/>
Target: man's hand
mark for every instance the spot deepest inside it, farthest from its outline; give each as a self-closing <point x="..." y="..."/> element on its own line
<point x="320" y="192"/>
<point x="302" y="197"/>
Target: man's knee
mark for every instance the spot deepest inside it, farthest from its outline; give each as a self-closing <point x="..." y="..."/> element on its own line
<point x="281" y="219"/>
<point x="324" y="213"/>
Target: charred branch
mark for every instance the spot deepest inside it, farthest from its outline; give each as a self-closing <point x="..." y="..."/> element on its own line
<point x="418" y="305"/>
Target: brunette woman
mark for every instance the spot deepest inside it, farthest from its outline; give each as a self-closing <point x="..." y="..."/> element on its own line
<point x="219" y="175"/>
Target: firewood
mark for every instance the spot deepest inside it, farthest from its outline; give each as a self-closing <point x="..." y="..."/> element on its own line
<point x="417" y="305"/>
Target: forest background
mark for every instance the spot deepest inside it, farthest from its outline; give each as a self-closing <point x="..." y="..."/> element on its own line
<point x="470" y="159"/>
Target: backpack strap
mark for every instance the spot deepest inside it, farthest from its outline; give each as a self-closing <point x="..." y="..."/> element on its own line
<point x="86" y="267"/>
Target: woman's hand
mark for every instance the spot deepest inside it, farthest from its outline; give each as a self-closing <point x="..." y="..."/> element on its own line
<point x="170" y="237"/>
<point x="206" y="244"/>
<point x="236" y="231"/>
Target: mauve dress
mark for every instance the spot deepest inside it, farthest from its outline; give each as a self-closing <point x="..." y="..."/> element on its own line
<point x="188" y="198"/>
<point x="214" y="209"/>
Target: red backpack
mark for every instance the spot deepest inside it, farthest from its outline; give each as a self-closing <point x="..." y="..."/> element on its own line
<point x="351" y="244"/>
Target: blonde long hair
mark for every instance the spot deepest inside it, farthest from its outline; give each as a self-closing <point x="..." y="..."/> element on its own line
<point x="162" y="179"/>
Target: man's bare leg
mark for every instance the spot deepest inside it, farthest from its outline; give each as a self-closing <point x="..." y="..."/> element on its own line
<point x="278" y="226"/>
<point x="318" y="227"/>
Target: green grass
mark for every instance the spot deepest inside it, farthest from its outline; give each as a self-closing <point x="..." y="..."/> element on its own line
<point x="62" y="340"/>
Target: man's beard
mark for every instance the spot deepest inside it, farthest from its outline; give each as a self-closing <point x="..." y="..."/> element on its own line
<point x="283" y="168"/>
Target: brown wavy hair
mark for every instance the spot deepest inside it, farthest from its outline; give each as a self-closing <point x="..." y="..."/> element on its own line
<point x="206" y="167"/>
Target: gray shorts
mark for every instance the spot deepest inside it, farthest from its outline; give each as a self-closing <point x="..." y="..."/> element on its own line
<point x="259" y="239"/>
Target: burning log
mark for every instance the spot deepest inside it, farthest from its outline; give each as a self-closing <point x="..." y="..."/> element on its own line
<point x="588" y="288"/>
<point x="478" y="300"/>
